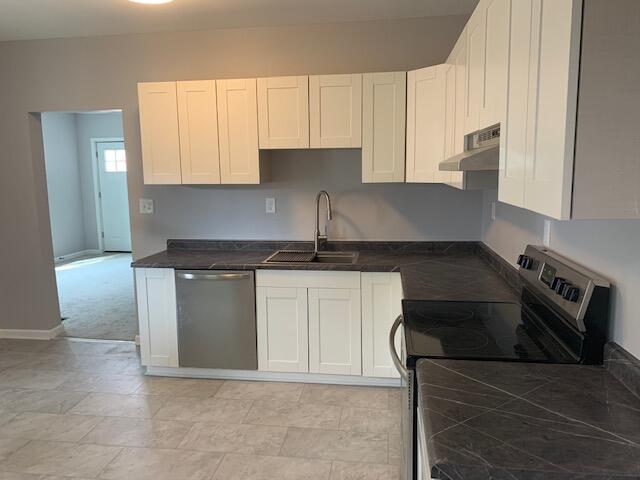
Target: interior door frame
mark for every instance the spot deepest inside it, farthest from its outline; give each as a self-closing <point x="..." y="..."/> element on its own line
<point x="96" y="184"/>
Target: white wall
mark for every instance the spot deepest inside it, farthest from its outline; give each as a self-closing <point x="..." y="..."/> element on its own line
<point x="88" y="126"/>
<point x="609" y="247"/>
<point x="63" y="183"/>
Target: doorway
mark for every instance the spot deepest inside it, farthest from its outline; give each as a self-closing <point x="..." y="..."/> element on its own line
<point x="86" y="175"/>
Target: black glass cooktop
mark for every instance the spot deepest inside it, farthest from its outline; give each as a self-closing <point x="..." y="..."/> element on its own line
<point x="477" y="331"/>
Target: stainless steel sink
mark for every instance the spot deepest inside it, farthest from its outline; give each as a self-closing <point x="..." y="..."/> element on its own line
<point x="284" y="256"/>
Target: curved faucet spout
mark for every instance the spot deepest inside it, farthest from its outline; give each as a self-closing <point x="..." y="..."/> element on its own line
<point x="316" y="234"/>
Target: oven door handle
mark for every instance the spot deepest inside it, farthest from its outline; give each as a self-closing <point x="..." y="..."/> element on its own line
<point x="392" y="348"/>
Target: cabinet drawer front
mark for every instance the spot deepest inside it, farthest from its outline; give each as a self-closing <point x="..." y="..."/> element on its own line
<point x="307" y="279"/>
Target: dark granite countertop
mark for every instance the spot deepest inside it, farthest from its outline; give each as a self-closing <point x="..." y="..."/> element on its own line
<point x="430" y="270"/>
<point x="501" y="420"/>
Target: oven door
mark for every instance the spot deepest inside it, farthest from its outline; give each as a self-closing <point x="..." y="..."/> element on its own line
<point x="408" y="427"/>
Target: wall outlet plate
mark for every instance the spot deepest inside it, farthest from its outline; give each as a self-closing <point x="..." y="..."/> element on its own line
<point x="270" y="205"/>
<point x="146" y="206"/>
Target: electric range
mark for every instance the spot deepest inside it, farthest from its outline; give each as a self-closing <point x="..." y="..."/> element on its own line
<point x="561" y="317"/>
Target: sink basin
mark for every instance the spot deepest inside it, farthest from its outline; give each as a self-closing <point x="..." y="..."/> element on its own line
<point x="284" y="256"/>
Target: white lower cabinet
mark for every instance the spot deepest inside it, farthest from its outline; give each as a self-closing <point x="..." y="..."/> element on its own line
<point x="381" y="305"/>
<point x="156" y="294"/>
<point x="334" y="331"/>
<point x="282" y="326"/>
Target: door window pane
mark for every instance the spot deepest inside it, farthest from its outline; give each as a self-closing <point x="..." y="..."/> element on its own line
<point x="115" y="161"/>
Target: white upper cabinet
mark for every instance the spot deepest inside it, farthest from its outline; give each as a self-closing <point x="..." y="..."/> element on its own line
<point x="497" y="14"/>
<point x="198" y="121"/>
<point x="283" y="112"/>
<point x="426" y="103"/>
<point x="159" y="133"/>
<point x="476" y="33"/>
<point x="456" y="103"/>
<point x="335" y="111"/>
<point x="334" y="331"/>
<point x="536" y="164"/>
<point x="238" y="131"/>
<point x="383" y="126"/>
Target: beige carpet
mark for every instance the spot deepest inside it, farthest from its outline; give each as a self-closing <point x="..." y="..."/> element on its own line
<point x="96" y="297"/>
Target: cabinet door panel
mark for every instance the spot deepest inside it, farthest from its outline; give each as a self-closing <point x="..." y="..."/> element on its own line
<point x="282" y="322"/>
<point x="475" y="68"/>
<point x="198" y="120"/>
<point x="425" y="124"/>
<point x="238" y="131"/>
<point x="334" y="331"/>
<point x="159" y="133"/>
<point x="335" y="111"/>
<point x="381" y="304"/>
<point x="156" y="297"/>
<point x="283" y="112"/>
<point x="383" y="126"/>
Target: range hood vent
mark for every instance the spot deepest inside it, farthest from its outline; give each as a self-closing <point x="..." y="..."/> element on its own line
<point x="481" y="153"/>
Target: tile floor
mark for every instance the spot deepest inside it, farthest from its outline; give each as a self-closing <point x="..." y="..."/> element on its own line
<point x="78" y="409"/>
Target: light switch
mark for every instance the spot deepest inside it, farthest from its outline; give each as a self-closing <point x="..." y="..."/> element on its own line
<point x="270" y="204"/>
<point x="146" y="206"/>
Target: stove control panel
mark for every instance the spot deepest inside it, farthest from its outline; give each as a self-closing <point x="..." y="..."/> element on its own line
<point x="566" y="284"/>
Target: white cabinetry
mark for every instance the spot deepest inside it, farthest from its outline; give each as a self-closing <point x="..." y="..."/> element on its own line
<point x="381" y="305"/>
<point x="198" y="126"/>
<point x="283" y="112"/>
<point x="426" y="102"/>
<point x="159" y="133"/>
<point x="384" y="105"/>
<point x="536" y="158"/>
<point x="282" y="324"/>
<point x="475" y="32"/>
<point x="334" y="331"/>
<point x="455" y="83"/>
<point x="335" y="111"/>
<point x="156" y="296"/>
<point x="238" y="130"/>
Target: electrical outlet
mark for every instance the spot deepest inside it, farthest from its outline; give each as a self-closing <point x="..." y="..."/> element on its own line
<point x="493" y="210"/>
<point x="146" y="206"/>
<point x="546" y="236"/>
<point x="270" y="205"/>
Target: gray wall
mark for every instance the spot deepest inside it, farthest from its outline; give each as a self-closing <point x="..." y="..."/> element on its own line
<point x="63" y="183"/>
<point x="609" y="247"/>
<point x="101" y="73"/>
<point x="90" y="126"/>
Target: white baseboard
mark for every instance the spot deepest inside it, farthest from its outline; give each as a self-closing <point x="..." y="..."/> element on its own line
<point x="71" y="256"/>
<point x="31" y="334"/>
<point x="186" y="372"/>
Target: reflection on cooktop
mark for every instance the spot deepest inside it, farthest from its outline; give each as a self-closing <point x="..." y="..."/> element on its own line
<point x="477" y="330"/>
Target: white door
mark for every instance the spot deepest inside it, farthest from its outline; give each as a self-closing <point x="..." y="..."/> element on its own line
<point x="113" y="196"/>
<point x="281" y="317"/>
<point x="335" y="111"/>
<point x="283" y="112"/>
<point x="159" y="133"/>
<point x="426" y="102"/>
<point x="334" y="331"/>
<point x="384" y="104"/>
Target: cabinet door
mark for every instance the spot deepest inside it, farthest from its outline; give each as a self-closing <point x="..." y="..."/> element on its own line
<point x="384" y="104"/>
<point x="553" y="95"/>
<point x="497" y="15"/>
<point x="282" y="322"/>
<point x="159" y="133"/>
<point x="238" y="131"/>
<point x="381" y="305"/>
<point x="459" y="60"/>
<point x="156" y="298"/>
<point x="198" y="120"/>
<point x="283" y="112"/>
<point x="426" y="103"/>
<point x="475" y="67"/>
<point x="334" y="331"/>
<point x="335" y="111"/>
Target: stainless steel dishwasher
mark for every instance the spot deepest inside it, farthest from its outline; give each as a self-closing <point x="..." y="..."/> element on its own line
<point x="216" y="319"/>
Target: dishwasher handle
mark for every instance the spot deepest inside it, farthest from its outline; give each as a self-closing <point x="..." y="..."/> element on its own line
<point x="213" y="276"/>
<point x="392" y="348"/>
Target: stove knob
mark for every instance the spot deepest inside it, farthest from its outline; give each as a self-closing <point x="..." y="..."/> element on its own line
<point x="555" y="282"/>
<point x="525" y="262"/>
<point x="561" y="287"/>
<point x="571" y="294"/>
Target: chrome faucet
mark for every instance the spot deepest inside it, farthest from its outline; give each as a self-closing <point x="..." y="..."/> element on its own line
<point x="316" y="235"/>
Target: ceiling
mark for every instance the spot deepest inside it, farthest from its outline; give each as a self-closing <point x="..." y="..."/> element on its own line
<point x="37" y="19"/>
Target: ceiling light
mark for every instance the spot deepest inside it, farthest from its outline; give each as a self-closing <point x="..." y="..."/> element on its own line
<point x="151" y="2"/>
